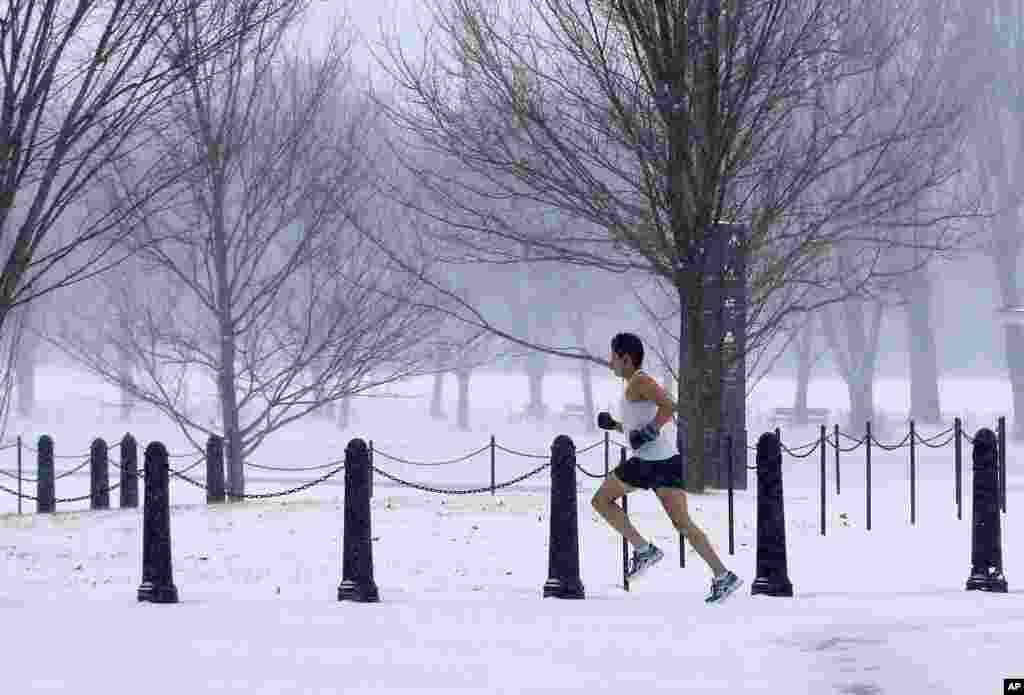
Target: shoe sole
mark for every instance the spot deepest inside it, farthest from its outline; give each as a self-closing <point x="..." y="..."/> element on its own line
<point x="657" y="558"/>
<point x="728" y="592"/>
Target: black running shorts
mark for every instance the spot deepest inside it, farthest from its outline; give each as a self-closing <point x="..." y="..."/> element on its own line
<point x="648" y="475"/>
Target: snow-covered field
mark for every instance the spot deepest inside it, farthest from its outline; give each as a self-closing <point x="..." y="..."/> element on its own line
<point x="460" y="576"/>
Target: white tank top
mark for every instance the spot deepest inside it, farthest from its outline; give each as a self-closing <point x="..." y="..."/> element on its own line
<point x="636" y="414"/>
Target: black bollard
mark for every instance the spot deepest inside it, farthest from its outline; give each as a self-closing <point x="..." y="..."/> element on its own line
<point x="986" y="541"/>
<point x="157" y="578"/>
<point x="564" y="539"/>
<point x="214" y="470"/>
<point x="99" y="476"/>
<point x="45" y="493"/>
<point x="772" y="577"/>
<point x="129" y="472"/>
<point x="357" y="552"/>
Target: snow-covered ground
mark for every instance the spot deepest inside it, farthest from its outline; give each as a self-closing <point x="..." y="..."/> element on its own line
<point x="460" y="576"/>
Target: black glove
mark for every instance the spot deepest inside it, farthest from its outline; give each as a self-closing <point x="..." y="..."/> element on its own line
<point x="647" y="433"/>
<point x="606" y="422"/>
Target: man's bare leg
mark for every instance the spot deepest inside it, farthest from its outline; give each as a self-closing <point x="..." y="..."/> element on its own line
<point x="604" y="504"/>
<point x="674" y="502"/>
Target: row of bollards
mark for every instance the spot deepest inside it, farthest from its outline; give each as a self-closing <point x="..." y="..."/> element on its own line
<point x="772" y="577"/>
<point x="989" y="466"/>
<point x="99" y="473"/>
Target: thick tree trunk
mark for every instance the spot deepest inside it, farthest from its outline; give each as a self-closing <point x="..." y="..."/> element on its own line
<point x="226" y="368"/>
<point x="856" y="359"/>
<point x="25" y="374"/>
<point x="586" y="380"/>
<point x="536" y="366"/>
<point x="437" y="397"/>
<point x="695" y="414"/>
<point x="924" y="364"/>
<point x="462" y="376"/>
<point x="345" y="412"/>
<point x="805" y="361"/>
<point x="1008" y="246"/>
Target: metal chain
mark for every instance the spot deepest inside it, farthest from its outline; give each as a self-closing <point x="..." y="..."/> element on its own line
<point x="891" y="448"/>
<point x="65" y="474"/>
<point x="62" y="456"/>
<point x="794" y="451"/>
<point x="17" y="494"/>
<point x="592" y="446"/>
<point x="936" y="446"/>
<point x="520" y="453"/>
<point x="588" y="473"/>
<point x="266" y="495"/>
<point x="801" y="456"/>
<point x="15" y="477"/>
<point x="280" y="468"/>
<point x="377" y="452"/>
<point x="427" y="488"/>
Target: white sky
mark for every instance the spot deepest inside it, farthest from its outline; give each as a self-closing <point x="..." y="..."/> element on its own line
<point x="366" y="16"/>
<point x="460" y="577"/>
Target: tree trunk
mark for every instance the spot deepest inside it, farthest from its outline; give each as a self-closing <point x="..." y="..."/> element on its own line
<point x="25" y="373"/>
<point x="226" y="368"/>
<point x="25" y="357"/>
<point x="462" y="376"/>
<point x="125" y="369"/>
<point x="536" y="364"/>
<point x="861" y="406"/>
<point x="856" y="359"/>
<point x="436" y="409"/>
<point x="586" y="380"/>
<point x="694" y="415"/>
<point x="805" y="361"/>
<point x="1007" y="247"/>
<point x="924" y="367"/>
<point x="345" y="412"/>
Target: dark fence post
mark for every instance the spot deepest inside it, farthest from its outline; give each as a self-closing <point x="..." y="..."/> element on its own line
<point x="45" y="493"/>
<point x="729" y="482"/>
<point x="99" y="475"/>
<point x="867" y="468"/>
<point x="837" y="458"/>
<point x="357" y="552"/>
<point x="957" y="468"/>
<point x="129" y="497"/>
<point x="369" y="471"/>
<point x="563" y="538"/>
<point x="157" y="577"/>
<point x="215" y="470"/>
<point x="913" y="479"/>
<point x="772" y="573"/>
<point x="823" y="452"/>
<point x="606" y="442"/>
<point x="492" y="465"/>
<point x="986" y="540"/>
<point x="20" y="476"/>
<point x="625" y="547"/>
<point x="1002" y="460"/>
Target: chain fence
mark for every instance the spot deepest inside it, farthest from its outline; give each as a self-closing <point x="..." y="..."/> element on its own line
<point x="332" y="468"/>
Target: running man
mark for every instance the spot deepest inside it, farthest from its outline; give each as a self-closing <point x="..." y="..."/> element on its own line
<point x="655" y="465"/>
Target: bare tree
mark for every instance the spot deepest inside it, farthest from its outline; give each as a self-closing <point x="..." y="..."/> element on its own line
<point x="997" y="149"/>
<point x="655" y="120"/>
<point x="78" y="83"/>
<point x="256" y="279"/>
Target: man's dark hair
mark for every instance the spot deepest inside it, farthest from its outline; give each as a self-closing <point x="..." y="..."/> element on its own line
<point x="629" y="344"/>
